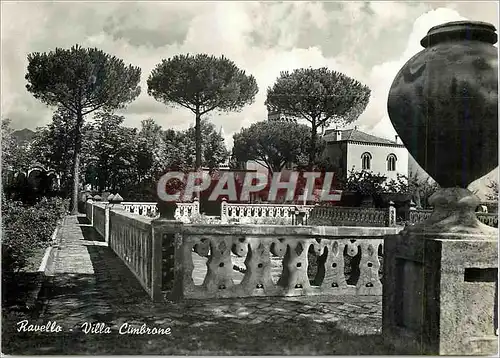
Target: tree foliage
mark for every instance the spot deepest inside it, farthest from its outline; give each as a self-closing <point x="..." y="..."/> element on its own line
<point x="272" y="144"/>
<point x="367" y="183"/>
<point x="82" y="81"/>
<point x="493" y="193"/>
<point x="320" y="96"/>
<point x="214" y="151"/>
<point x="201" y="83"/>
<point x="53" y="147"/>
<point x="151" y="150"/>
<point x="113" y="148"/>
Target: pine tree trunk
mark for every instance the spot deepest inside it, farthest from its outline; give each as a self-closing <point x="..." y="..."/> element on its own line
<point x="198" y="140"/>
<point x="312" y="153"/>
<point x="76" y="164"/>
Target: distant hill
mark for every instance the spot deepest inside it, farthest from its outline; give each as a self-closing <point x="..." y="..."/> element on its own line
<point x="23" y="135"/>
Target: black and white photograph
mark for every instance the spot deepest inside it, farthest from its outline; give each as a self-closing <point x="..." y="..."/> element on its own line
<point x="249" y="178"/>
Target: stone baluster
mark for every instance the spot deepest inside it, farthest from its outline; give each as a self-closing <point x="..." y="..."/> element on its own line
<point x="258" y="266"/>
<point x="391" y="214"/>
<point x="196" y="205"/>
<point x="294" y="275"/>
<point x="223" y="211"/>
<point x="332" y="272"/>
<point x="219" y="265"/>
<point x="369" y="265"/>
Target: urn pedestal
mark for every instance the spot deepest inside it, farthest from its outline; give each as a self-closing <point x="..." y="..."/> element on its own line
<point x="440" y="278"/>
<point x="440" y="282"/>
<point x="440" y="294"/>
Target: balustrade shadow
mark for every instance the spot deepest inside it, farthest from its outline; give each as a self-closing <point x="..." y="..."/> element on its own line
<point x="89" y="233"/>
<point x="82" y="220"/>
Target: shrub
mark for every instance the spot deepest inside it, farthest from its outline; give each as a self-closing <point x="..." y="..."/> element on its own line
<point x="27" y="228"/>
<point x="260" y="221"/>
<point x="273" y="221"/>
<point x="204" y="219"/>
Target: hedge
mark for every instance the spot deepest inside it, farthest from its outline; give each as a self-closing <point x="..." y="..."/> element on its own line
<point x="27" y="228"/>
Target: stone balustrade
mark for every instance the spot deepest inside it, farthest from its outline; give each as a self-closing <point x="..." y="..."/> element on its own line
<point x="290" y="243"/>
<point x="132" y="239"/>
<point x="148" y="209"/>
<point x="161" y="254"/>
<point x="488" y="219"/>
<point x="263" y="213"/>
<point x="234" y="212"/>
<point x="186" y="210"/>
<point x="351" y="216"/>
<point x="417" y="216"/>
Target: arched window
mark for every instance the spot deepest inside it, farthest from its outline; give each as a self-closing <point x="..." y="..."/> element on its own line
<point x="366" y="159"/>
<point x="391" y="162"/>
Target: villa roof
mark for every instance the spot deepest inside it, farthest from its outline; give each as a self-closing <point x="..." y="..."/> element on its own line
<point x="354" y="135"/>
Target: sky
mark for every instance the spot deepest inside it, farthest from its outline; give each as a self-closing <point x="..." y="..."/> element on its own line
<point x="369" y="41"/>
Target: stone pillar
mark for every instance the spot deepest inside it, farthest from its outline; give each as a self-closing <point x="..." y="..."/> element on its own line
<point x="440" y="278"/>
<point x="168" y="259"/>
<point x="114" y="203"/>
<point x="90" y="202"/>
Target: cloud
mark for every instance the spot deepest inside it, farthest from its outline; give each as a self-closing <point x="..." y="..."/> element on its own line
<point x="367" y="41"/>
<point x="382" y="75"/>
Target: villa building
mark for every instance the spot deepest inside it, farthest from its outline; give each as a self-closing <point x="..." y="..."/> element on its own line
<point x="352" y="149"/>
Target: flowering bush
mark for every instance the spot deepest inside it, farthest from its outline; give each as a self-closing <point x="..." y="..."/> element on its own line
<point x="365" y="182"/>
<point x="27" y="228"/>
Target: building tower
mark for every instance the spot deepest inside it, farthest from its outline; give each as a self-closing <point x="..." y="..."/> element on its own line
<point x="275" y="115"/>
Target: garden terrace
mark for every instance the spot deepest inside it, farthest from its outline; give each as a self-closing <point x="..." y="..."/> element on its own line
<point x="221" y="261"/>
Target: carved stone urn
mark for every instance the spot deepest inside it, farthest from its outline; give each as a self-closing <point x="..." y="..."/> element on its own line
<point x="444" y="105"/>
<point x="441" y="276"/>
<point x="166" y="209"/>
